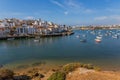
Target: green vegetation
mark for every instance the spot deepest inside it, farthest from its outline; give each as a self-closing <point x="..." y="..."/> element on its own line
<point x="97" y="68"/>
<point x="6" y="74"/>
<point x="57" y="76"/>
<point x="35" y="73"/>
<point x="64" y="70"/>
<point x="70" y="67"/>
<point x="88" y="66"/>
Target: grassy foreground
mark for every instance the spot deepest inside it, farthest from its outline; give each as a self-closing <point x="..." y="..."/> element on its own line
<point x="71" y="71"/>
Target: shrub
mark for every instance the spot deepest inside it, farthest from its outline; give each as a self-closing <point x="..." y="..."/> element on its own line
<point x="57" y="76"/>
<point x="97" y="68"/>
<point x="6" y="74"/>
<point x="71" y="67"/>
<point x="88" y="66"/>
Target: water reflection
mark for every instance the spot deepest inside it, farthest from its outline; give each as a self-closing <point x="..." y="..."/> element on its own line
<point x="28" y="42"/>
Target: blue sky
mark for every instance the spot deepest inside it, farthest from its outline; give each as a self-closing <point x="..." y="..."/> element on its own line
<point x="70" y="12"/>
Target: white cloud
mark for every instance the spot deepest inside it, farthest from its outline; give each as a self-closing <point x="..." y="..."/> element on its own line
<point x="66" y="12"/>
<point x="29" y="17"/>
<point x="101" y="18"/>
<point x="66" y="4"/>
<point x="115" y="17"/>
<point x="113" y="10"/>
<point x="111" y="17"/>
<point x="73" y="4"/>
<point x="57" y="3"/>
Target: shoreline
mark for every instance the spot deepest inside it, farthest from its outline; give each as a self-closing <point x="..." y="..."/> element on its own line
<point x="36" y="35"/>
<point x="44" y="71"/>
<point x="47" y="63"/>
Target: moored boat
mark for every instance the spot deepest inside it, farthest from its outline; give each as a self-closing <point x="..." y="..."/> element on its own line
<point x="78" y="36"/>
<point x="36" y="40"/>
<point x="115" y="36"/>
<point x="98" y="37"/>
<point x="98" y="40"/>
<point x="83" y="40"/>
<point x="84" y="35"/>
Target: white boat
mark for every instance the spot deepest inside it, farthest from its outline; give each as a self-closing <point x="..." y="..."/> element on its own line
<point x="83" y="40"/>
<point x="98" y="37"/>
<point x="36" y="40"/>
<point x="98" y="40"/>
<point x="84" y="35"/>
<point x="115" y="36"/>
<point x="106" y="34"/>
<point x="78" y="36"/>
<point x="92" y="32"/>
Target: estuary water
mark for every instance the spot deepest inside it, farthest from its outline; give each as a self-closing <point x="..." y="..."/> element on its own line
<point x="65" y="49"/>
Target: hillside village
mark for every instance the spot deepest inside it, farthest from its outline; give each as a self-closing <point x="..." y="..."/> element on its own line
<point x="16" y="27"/>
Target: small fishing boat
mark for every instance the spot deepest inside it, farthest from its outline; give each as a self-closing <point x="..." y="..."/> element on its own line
<point x="106" y="34"/>
<point x="98" y="40"/>
<point x="83" y="40"/>
<point x="36" y="40"/>
<point x="84" y="35"/>
<point x="98" y="37"/>
<point x="78" y="36"/>
<point x="93" y="32"/>
<point x="115" y="36"/>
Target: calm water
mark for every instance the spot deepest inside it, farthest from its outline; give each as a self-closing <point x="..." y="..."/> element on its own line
<point x="62" y="50"/>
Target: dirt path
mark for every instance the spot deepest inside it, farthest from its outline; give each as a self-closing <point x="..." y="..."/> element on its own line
<point x="84" y="74"/>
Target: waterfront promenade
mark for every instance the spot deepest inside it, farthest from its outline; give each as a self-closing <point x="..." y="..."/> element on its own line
<point x="36" y="35"/>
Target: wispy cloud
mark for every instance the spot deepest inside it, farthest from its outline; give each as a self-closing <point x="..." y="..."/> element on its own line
<point x="57" y="3"/>
<point x="101" y="18"/>
<point x="66" y="4"/>
<point x="66" y="12"/>
<point x="116" y="17"/>
<point x="71" y="6"/>
<point x="29" y="17"/>
<point x="113" y="9"/>
<point x="111" y="17"/>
